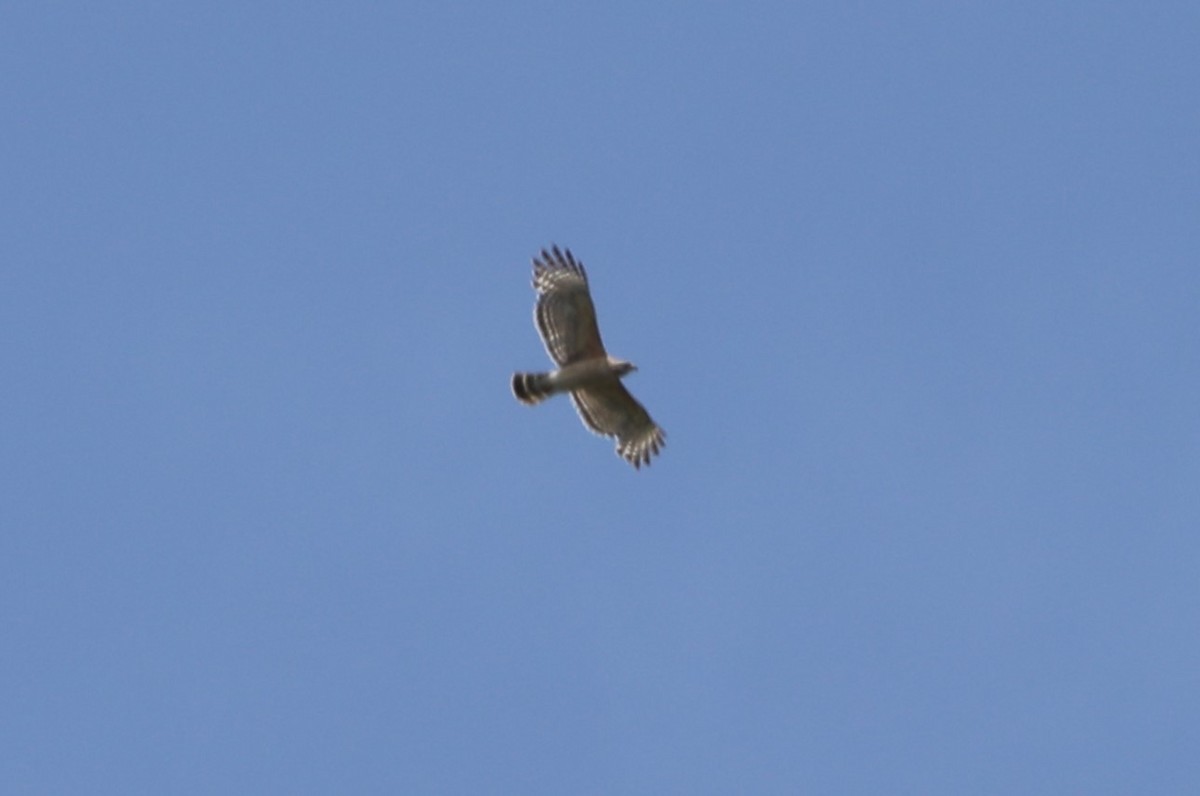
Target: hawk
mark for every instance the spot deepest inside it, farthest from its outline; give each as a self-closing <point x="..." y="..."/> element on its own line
<point x="566" y="320"/>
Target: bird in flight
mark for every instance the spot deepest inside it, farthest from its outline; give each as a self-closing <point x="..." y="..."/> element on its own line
<point x="566" y="321"/>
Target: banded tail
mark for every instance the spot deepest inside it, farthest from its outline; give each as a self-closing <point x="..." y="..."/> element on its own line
<point x="532" y="388"/>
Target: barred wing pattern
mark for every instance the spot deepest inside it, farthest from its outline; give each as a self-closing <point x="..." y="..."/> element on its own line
<point x="564" y="313"/>
<point x="611" y="411"/>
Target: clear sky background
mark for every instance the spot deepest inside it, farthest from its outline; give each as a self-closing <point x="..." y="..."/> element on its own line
<point x="913" y="288"/>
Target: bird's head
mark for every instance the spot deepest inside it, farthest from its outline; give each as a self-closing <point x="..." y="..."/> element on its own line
<point x="621" y="367"/>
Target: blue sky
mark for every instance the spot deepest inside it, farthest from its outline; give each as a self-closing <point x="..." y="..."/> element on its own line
<point x="912" y="287"/>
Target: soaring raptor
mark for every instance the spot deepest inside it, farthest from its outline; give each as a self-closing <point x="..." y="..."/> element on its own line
<point x="566" y="320"/>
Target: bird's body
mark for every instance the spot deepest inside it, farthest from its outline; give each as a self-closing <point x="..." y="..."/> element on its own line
<point x="532" y="388"/>
<point x="566" y="320"/>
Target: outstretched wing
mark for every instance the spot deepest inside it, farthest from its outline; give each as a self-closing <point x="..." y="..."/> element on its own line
<point x="611" y="411"/>
<point x="565" y="316"/>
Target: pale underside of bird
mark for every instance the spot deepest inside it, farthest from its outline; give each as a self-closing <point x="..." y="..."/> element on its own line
<point x="566" y="320"/>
